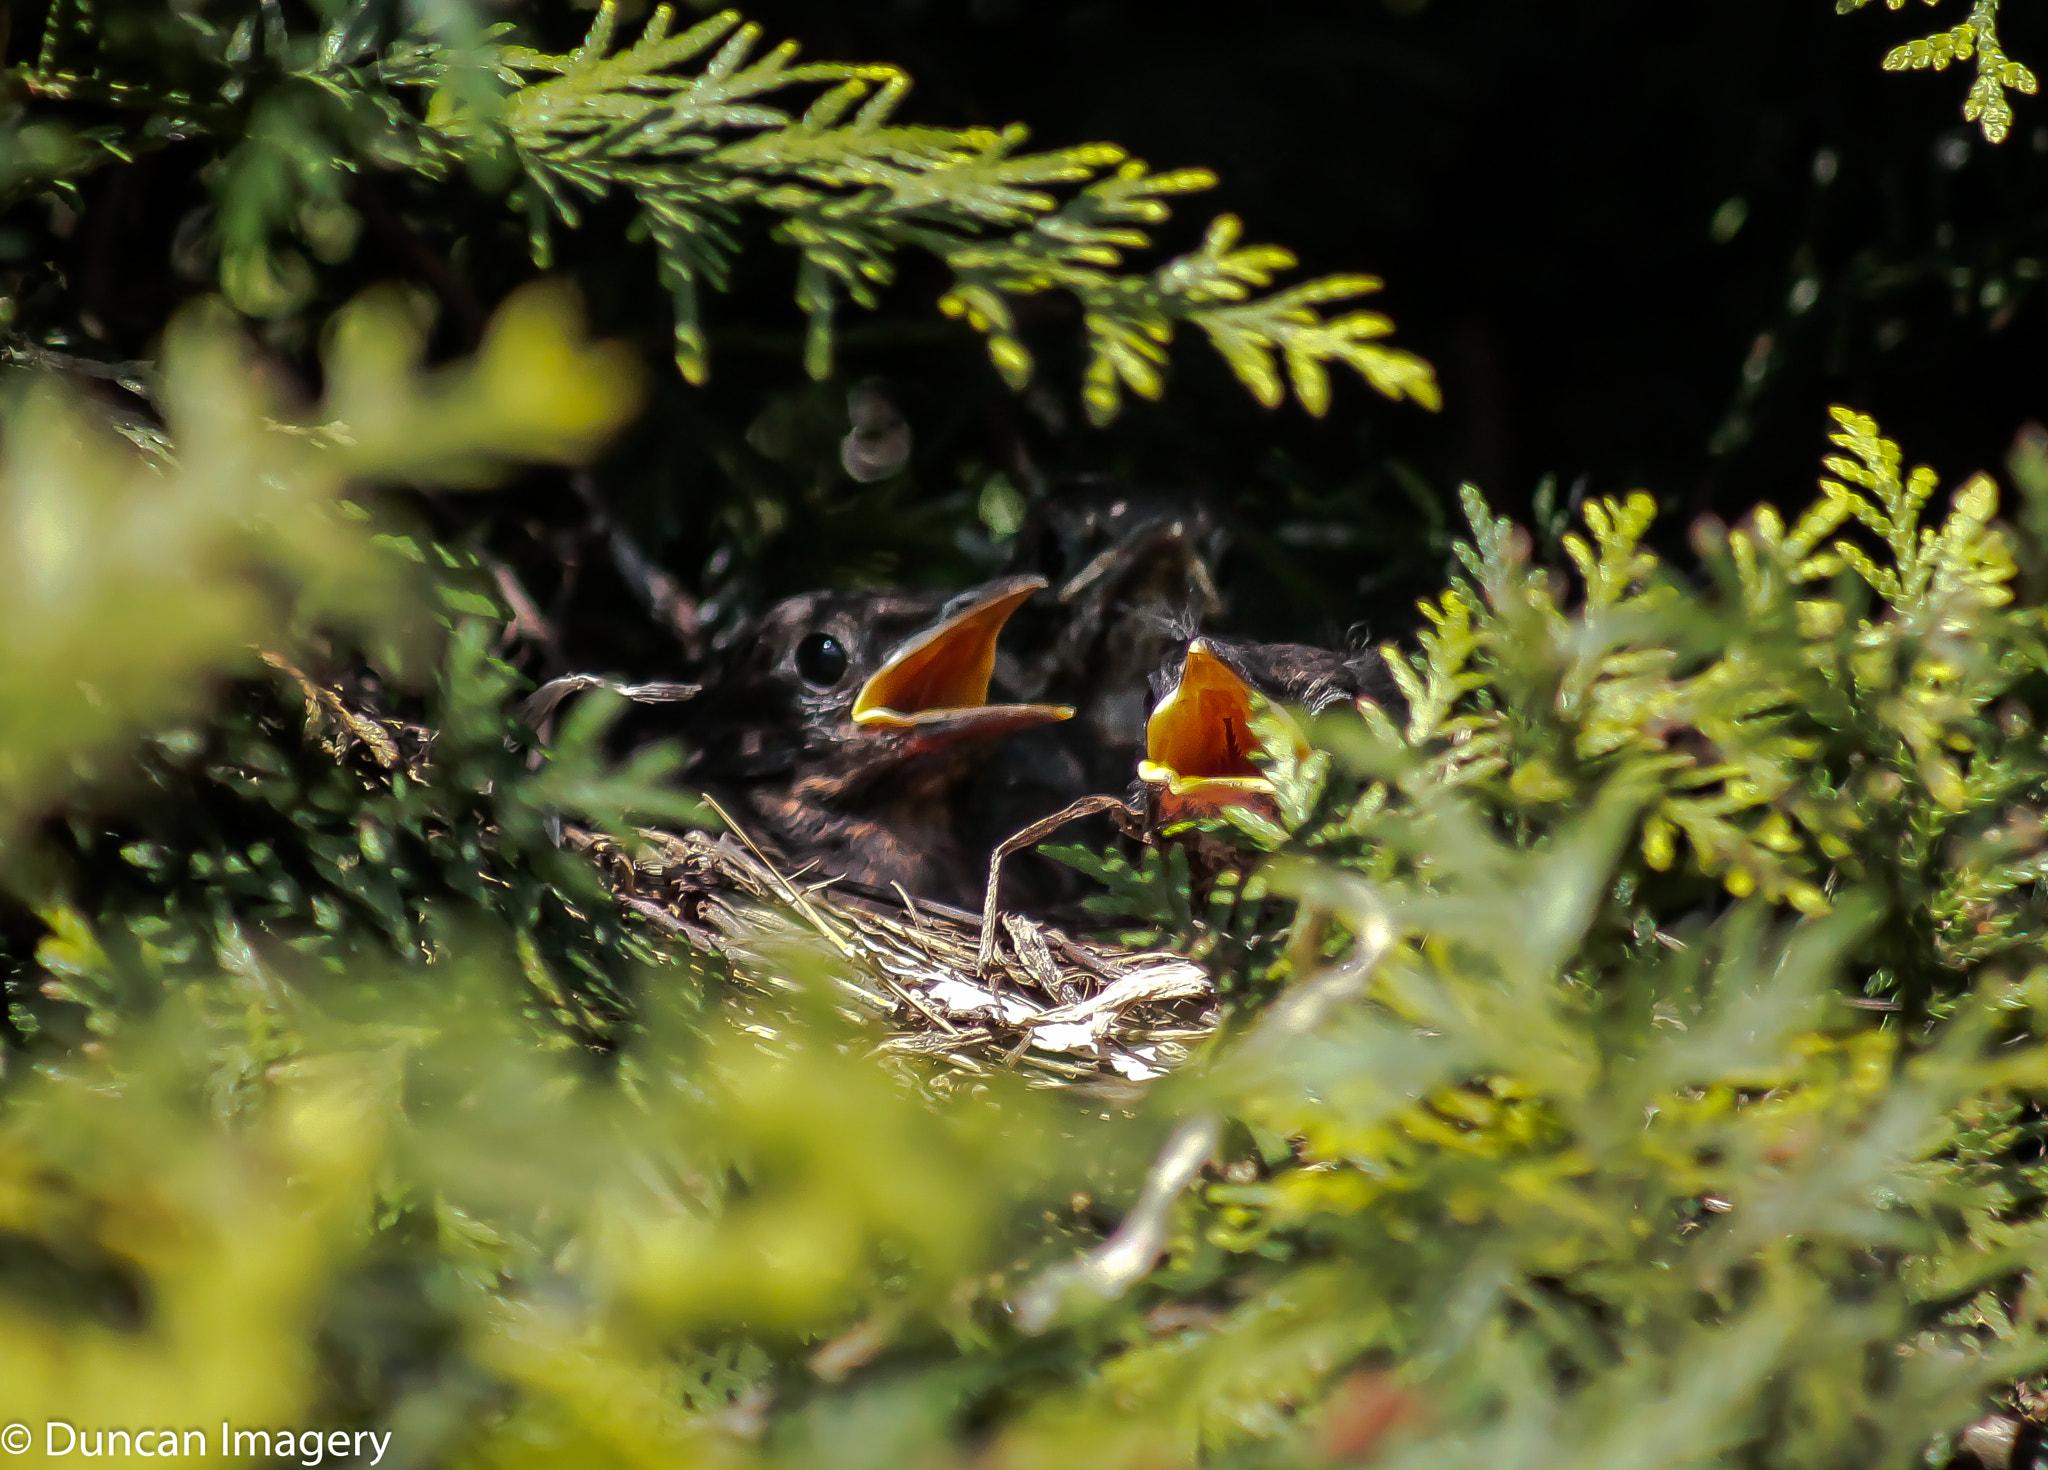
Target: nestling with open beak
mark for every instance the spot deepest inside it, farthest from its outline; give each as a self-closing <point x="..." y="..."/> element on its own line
<point x="1132" y="579"/>
<point x="1134" y="574"/>
<point x="1199" y="743"/>
<point x="1199" y="738"/>
<point x="843" y="726"/>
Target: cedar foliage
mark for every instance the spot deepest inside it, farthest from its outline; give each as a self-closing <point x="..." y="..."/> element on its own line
<point x="1638" y="1062"/>
<point x="1977" y="36"/>
<point x="696" y="150"/>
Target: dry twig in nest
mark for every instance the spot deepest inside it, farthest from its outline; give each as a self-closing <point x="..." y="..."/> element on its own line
<point x="1065" y="1011"/>
<point x="1012" y="994"/>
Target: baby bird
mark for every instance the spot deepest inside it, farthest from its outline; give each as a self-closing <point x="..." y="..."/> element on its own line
<point x="843" y="727"/>
<point x="1199" y="738"/>
<point x="1198" y="748"/>
<point x="1135" y="575"/>
<point x="1132" y="571"/>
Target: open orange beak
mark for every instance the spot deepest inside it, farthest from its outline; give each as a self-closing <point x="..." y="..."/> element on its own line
<point x="937" y="681"/>
<point x="1199" y="742"/>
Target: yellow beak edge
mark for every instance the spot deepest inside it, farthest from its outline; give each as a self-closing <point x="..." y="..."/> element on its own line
<point x="941" y="676"/>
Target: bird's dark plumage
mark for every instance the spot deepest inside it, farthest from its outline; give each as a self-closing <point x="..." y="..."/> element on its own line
<point x="842" y="726"/>
<point x="1133" y="573"/>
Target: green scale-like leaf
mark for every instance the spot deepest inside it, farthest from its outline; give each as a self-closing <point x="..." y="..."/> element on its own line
<point x="704" y="130"/>
<point x="1986" y="103"/>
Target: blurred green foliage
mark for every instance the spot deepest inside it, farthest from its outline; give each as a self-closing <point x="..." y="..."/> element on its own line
<point x="1607" y="1143"/>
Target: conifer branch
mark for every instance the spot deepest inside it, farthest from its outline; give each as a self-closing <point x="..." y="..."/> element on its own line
<point x="1977" y="36"/>
<point x="705" y="130"/>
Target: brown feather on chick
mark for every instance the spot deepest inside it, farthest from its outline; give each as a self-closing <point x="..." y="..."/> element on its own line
<point x="843" y="726"/>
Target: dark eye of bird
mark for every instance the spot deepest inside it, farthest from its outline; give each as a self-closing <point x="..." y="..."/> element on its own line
<point x="821" y="660"/>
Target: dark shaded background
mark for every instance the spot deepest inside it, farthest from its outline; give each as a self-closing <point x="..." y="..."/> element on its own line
<point x="1540" y="184"/>
<point x="1646" y="246"/>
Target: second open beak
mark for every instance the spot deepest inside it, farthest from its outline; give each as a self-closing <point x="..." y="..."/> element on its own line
<point x="1199" y="741"/>
<point x="937" y="681"/>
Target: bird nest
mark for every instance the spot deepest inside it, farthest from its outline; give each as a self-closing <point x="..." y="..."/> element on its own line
<point x="1009" y="994"/>
<point x="1025" y="997"/>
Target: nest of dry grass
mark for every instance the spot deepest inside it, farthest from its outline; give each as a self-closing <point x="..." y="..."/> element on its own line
<point x="1062" y="1011"/>
<point x="1012" y="994"/>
